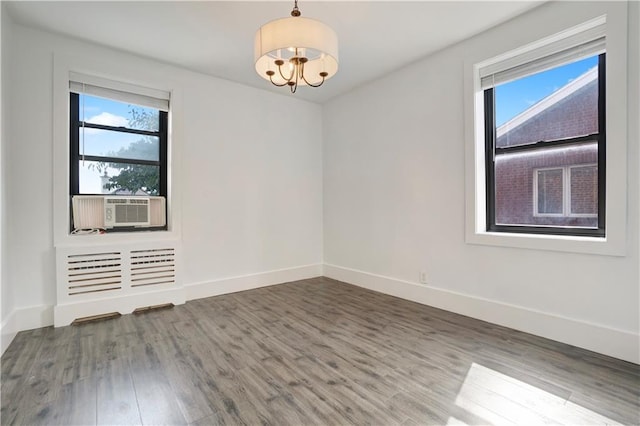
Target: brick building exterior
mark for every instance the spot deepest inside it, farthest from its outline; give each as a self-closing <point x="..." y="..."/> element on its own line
<point x="554" y="186"/>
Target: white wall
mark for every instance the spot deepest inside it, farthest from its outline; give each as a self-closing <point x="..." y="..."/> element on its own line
<point x="634" y="111"/>
<point x="250" y="178"/>
<point x="6" y="290"/>
<point x="394" y="204"/>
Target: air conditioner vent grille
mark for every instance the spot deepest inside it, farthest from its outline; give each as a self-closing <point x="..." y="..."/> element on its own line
<point x="143" y="201"/>
<point x="132" y="214"/>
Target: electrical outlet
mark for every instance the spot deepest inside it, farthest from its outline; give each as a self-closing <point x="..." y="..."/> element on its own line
<point x="423" y="277"/>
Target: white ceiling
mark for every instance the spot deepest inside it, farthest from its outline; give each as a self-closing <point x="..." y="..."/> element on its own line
<point x="216" y="37"/>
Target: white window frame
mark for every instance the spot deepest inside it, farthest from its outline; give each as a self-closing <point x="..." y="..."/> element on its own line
<point x="566" y="192"/>
<point x="127" y="75"/>
<point x="541" y="37"/>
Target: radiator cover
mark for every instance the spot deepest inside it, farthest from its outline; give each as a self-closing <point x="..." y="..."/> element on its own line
<point x="100" y="279"/>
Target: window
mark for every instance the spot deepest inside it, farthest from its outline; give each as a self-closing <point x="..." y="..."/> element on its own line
<point x="544" y="123"/>
<point x="118" y="142"/>
<point x="566" y="192"/>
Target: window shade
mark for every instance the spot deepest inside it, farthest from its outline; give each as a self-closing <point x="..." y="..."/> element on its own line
<point x="123" y="92"/>
<point x="579" y="44"/>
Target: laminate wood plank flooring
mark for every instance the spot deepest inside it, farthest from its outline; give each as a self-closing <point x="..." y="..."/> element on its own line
<point x="310" y="352"/>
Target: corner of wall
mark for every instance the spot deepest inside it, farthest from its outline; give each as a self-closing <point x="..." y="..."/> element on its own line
<point x="7" y="333"/>
<point x="6" y="293"/>
<point x="217" y="287"/>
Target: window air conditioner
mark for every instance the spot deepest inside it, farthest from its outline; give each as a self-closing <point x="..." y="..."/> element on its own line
<point x="98" y="211"/>
<point x="126" y="211"/>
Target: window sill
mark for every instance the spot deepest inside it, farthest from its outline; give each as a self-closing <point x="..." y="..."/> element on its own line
<point x="561" y="243"/>
<point x="115" y="238"/>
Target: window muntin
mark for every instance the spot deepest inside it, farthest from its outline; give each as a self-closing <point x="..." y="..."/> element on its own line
<point x="113" y="150"/>
<point x="562" y="129"/>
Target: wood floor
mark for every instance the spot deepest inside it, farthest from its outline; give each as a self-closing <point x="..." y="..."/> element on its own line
<point x="316" y="351"/>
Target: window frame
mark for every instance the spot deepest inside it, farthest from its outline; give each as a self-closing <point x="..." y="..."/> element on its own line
<point x="493" y="50"/>
<point x="75" y="126"/>
<point x="491" y="152"/>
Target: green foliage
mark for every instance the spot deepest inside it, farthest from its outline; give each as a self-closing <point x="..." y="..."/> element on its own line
<point x="135" y="177"/>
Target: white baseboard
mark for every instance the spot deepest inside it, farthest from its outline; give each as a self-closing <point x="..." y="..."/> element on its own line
<point x="42" y="316"/>
<point x="248" y="282"/>
<point x="620" y="344"/>
<point x="616" y="343"/>
<point x="22" y="319"/>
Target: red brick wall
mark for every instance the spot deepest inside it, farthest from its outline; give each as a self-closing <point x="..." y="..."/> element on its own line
<point x="576" y="115"/>
<point x="514" y="185"/>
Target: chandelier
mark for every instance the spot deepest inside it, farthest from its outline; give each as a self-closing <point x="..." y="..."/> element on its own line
<point x="296" y="51"/>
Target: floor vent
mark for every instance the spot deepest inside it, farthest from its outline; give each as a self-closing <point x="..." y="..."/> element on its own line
<point x="94" y="318"/>
<point x="146" y="309"/>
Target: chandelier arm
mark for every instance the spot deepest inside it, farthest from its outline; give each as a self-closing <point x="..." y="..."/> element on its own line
<point x="296" y="70"/>
<point x="282" y="75"/>
<point x="314" y="85"/>
<point x="308" y="83"/>
<point x="276" y="84"/>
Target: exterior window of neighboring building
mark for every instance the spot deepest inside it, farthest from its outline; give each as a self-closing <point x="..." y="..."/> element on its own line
<point x="545" y="143"/>
<point x="566" y="192"/>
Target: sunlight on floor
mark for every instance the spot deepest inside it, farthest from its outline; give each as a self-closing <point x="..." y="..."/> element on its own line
<point x="499" y="399"/>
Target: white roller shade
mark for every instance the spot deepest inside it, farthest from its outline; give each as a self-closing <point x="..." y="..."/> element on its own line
<point x="123" y="92"/>
<point x="570" y="46"/>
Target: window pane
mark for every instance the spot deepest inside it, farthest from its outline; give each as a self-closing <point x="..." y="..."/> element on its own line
<point x="118" y="178"/>
<point x="556" y="104"/>
<point x="550" y="191"/>
<point x="109" y="143"/>
<point x="584" y="190"/>
<point x="118" y="114"/>
<point x="518" y="174"/>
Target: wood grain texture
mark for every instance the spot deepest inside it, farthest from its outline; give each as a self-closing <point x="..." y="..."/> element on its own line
<point x="317" y="352"/>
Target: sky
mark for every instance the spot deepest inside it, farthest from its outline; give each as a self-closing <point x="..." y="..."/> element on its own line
<point x="514" y="97"/>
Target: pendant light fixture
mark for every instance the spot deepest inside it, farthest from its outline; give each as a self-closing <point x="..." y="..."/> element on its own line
<point x="296" y="51"/>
